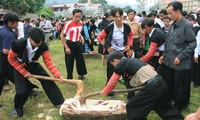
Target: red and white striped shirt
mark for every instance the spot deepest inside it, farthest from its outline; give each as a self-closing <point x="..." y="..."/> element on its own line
<point x="72" y="31"/>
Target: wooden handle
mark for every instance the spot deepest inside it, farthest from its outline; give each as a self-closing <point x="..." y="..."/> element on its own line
<point x="83" y="98"/>
<point x="78" y="83"/>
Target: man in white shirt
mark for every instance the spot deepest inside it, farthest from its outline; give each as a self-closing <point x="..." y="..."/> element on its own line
<point x="20" y="29"/>
<point x="46" y="26"/>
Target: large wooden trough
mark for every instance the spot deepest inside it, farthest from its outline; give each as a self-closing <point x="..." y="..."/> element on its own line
<point x="93" y="110"/>
<point x="81" y="108"/>
<point x="74" y="109"/>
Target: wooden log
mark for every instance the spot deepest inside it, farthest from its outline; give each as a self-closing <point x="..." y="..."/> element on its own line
<point x="93" y="110"/>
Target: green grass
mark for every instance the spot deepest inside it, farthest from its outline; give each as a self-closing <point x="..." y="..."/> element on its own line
<point x="96" y="79"/>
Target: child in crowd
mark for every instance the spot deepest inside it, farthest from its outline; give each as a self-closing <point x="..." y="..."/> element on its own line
<point x="167" y="22"/>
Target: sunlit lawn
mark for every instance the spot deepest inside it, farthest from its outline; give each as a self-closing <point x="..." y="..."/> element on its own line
<point x="95" y="81"/>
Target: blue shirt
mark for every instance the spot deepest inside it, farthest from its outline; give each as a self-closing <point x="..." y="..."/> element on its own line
<point x="26" y="29"/>
<point x="6" y="38"/>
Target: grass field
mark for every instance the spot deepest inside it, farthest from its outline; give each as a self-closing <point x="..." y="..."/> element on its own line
<point x="40" y="108"/>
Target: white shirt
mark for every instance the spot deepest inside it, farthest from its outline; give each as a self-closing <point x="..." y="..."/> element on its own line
<point x="157" y="20"/>
<point x="20" y="30"/>
<point x="150" y="34"/>
<point x="133" y="55"/>
<point x="97" y="22"/>
<point x="197" y="49"/>
<point x="117" y="42"/>
<point x="31" y="51"/>
<point x="47" y="24"/>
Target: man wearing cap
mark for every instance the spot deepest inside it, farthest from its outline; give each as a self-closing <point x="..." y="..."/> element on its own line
<point x="24" y="59"/>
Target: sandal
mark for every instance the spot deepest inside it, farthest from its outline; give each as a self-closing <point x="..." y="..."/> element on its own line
<point x="14" y="114"/>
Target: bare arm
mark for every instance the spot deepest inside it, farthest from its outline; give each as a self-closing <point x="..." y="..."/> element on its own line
<point x="5" y="51"/>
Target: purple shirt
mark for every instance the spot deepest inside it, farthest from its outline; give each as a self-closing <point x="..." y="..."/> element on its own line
<point x="6" y="38"/>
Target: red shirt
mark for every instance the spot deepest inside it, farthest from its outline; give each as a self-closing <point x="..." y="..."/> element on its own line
<point x="72" y="31"/>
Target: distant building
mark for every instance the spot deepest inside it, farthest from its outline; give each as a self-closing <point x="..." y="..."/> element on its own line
<point x="89" y="9"/>
<point x="188" y="5"/>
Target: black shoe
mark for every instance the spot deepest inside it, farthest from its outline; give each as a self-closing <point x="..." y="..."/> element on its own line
<point x="81" y="77"/>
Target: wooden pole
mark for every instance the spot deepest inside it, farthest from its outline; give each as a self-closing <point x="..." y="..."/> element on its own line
<point x="83" y="98"/>
<point x="78" y="83"/>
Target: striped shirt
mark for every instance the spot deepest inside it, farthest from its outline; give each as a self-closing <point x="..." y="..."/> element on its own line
<point x="72" y="31"/>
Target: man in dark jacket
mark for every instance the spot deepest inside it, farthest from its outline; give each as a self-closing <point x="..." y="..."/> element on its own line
<point x="177" y="57"/>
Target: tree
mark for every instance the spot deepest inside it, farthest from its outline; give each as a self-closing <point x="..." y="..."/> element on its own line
<point x="103" y="2"/>
<point x="108" y="8"/>
<point x="46" y="11"/>
<point x="82" y="1"/>
<point x="156" y="5"/>
<point x="31" y="3"/>
<point x="39" y="4"/>
<point x="19" y="6"/>
<point x="141" y="4"/>
<point x="125" y="9"/>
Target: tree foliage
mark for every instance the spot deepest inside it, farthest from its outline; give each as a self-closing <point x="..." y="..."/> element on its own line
<point x="125" y="9"/>
<point x="21" y="7"/>
<point x="154" y="7"/>
<point x="18" y="6"/>
<point x="46" y="11"/>
<point x="39" y="4"/>
<point x="103" y="2"/>
<point x="32" y="5"/>
<point x="108" y="8"/>
<point x="141" y="4"/>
